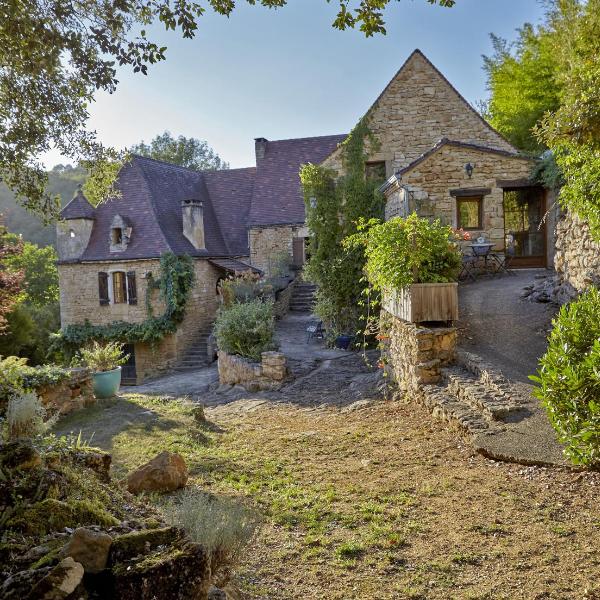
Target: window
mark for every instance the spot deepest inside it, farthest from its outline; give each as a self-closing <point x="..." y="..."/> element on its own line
<point x="118" y="287"/>
<point x="375" y="170"/>
<point x="119" y="281"/>
<point x="469" y="212"/>
<point x="116" y="236"/>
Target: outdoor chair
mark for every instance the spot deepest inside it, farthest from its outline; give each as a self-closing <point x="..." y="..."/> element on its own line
<point x="469" y="268"/>
<point x="315" y="330"/>
<point x="502" y="263"/>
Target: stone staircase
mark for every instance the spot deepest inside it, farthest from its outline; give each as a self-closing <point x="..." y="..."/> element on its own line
<point x="303" y="297"/>
<point x="197" y="355"/>
<point x="472" y="395"/>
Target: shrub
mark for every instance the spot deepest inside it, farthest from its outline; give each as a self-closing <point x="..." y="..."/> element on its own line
<point x="569" y="378"/>
<point x="246" y="328"/>
<point x="11" y="375"/>
<point x="401" y="252"/>
<point x="280" y="264"/>
<point x="221" y="525"/>
<point x="103" y="357"/>
<point x="244" y="288"/>
<point x="25" y="417"/>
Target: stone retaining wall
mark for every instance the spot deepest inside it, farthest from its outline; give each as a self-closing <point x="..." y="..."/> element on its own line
<point x="282" y="302"/>
<point x="415" y="355"/>
<point x="269" y="374"/>
<point x="71" y="394"/>
<point x="577" y="258"/>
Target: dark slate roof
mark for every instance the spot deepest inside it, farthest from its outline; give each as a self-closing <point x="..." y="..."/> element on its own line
<point x="78" y="208"/>
<point x="232" y="265"/>
<point x="277" y="197"/>
<point x="151" y="195"/>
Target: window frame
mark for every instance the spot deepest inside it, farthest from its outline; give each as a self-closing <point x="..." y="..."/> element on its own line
<point x="111" y="287"/>
<point x="371" y="164"/>
<point x="470" y="199"/>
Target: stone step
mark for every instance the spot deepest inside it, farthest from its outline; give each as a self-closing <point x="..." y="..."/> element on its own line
<point x="467" y="388"/>
<point x="449" y="409"/>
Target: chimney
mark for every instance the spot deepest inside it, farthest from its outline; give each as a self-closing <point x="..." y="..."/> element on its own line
<point x="193" y="222"/>
<point x="260" y="147"/>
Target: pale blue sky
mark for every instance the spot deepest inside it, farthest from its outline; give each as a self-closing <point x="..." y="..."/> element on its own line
<point x="288" y="73"/>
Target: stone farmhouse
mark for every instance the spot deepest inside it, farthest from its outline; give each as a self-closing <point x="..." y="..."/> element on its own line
<point x="436" y="155"/>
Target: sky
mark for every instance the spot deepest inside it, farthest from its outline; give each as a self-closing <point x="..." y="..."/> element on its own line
<point x="287" y="73"/>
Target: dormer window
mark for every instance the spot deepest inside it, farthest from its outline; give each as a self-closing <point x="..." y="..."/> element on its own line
<point x="120" y="234"/>
<point x="116" y="235"/>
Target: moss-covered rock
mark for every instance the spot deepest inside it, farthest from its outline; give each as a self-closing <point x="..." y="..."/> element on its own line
<point x="19" y="455"/>
<point x="132" y="545"/>
<point x="51" y="514"/>
<point x="174" y="573"/>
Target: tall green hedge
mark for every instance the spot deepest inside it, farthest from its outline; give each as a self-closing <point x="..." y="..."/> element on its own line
<point x="569" y="378"/>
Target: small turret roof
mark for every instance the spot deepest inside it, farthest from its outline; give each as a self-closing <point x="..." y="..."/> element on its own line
<point x="78" y="208"/>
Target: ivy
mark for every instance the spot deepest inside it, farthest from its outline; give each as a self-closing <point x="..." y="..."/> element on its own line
<point x="175" y="284"/>
<point x="334" y="205"/>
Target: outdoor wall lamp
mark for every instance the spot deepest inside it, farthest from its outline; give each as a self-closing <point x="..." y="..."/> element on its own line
<point x="469" y="169"/>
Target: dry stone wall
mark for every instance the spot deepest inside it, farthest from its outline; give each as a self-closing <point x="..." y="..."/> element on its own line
<point x="69" y="395"/>
<point x="269" y="374"/>
<point x="577" y="259"/>
<point x="265" y="242"/>
<point x="415" y="355"/>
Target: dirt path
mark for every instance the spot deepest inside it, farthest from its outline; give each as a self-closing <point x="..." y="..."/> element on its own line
<point x="498" y="325"/>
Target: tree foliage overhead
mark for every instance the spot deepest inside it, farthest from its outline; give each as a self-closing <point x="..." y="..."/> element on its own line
<point x="523" y="82"/>
<point x="183" y="151"/>
<point x="546" y="93"/>
<point x="56" y="54"/>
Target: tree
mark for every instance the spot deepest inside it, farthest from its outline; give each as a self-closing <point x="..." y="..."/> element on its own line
<point x="56" y="54"/>
<point x="186" y="152"/>
<point x="10" y="280"/>
<point x="333" y="209"/>
<point x="523" y="81"/>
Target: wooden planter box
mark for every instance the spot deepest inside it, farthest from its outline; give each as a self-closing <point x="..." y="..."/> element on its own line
<point x="423" y="302"/>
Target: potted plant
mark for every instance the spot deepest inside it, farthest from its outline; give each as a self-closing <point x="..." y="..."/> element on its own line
<point x="414" y="263"/>
<point x="104" y="360"/>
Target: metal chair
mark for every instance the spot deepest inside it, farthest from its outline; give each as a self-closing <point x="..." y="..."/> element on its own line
<point x="468" y="269"/>
<point x="315" y="330"/>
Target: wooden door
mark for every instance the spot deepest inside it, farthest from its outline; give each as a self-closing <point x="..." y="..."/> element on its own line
<point x="298" y="251"/>
<point x="524" y="226"/>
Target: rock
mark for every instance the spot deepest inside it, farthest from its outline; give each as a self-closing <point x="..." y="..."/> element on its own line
<point x="19" y="455"/>
<point x="215" y="593"/>
<point x="198" y="412"/>
<point x="179" y="572"/>
<point x="131" y="545"/>
<point x="18" y="585"/>
<point x="94" y="459"/>
<point x="164" y="473"/>
<point x="62" y="581"/>
<point x="90" y="548"/>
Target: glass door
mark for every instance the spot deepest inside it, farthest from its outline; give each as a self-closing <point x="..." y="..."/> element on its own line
<point x="524" y="227"/>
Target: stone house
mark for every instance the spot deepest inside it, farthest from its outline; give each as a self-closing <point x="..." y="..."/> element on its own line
<point x="436" y="155"/>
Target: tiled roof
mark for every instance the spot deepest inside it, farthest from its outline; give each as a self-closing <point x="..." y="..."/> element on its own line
<point x="277" y="196"/>
<point x="78" y="208"/>
<point x="232" y="265"/>
<point x="151" y="196"/>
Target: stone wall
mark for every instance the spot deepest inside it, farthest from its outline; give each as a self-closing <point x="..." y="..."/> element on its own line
<point x="79" y="301"/>
<point x="266" y="242"/>
<point x="418" y="108"/>
<point x="69" y="395"/>
<point x="577" y="260"/>
<point x="415" y="355"/>
<point x="269" y="374"/>
<point x="282" y="300"/>
<point x="432" y="180"/>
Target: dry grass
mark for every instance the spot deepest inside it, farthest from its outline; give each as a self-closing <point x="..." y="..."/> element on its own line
<point x="382" y="503"/>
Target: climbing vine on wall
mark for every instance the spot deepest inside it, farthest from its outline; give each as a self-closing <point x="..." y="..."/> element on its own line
<point x="175" y="284"/>
<point x="334" y="205"/>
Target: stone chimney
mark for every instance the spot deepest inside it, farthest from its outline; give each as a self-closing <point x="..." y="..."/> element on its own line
<point x="260" y="147"/>
<point x="193" y="222"/>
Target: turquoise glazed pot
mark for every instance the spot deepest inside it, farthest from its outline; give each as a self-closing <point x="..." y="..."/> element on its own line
<point x="106" y="383"/>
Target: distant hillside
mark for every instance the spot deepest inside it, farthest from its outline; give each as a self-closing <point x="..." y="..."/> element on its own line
<point x="63" y="180"/>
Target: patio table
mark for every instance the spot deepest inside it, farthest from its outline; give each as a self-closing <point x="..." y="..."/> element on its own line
<point x="491" y="261"/>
